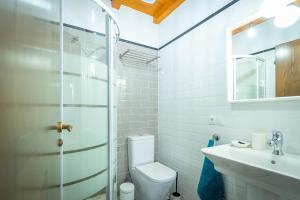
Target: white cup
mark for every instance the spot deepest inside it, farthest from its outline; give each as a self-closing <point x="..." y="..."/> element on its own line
<point x="259" y="140"/>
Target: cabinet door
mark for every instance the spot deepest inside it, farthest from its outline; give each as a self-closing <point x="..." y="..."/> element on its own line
<point x="288" y="69"/>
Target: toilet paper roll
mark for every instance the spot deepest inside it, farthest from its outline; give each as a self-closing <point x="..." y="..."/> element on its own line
<point x="259" y="140"/>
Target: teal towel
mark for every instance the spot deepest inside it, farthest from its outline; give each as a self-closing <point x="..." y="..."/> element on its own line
<point x="211" y="185"/>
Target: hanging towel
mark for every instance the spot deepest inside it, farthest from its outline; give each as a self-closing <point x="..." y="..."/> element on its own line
<point x="211" y="185"/>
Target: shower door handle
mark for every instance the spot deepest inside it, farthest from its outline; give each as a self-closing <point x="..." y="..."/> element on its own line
<point x="59" y="127"/>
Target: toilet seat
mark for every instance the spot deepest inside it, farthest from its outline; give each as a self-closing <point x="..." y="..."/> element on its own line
<point x="156" y="172"/>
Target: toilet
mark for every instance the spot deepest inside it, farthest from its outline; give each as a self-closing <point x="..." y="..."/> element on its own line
<point x="152" y="180"/>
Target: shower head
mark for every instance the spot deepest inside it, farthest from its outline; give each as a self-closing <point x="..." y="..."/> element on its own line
<point x="75" y="39"/>
<point x="88" y="50"/>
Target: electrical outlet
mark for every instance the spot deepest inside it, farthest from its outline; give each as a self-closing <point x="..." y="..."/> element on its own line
<point x="216" y="120"/>
<point x="212" y="120"/>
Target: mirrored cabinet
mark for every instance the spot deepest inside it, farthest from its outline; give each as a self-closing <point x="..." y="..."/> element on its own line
<point x="263" y="57"/>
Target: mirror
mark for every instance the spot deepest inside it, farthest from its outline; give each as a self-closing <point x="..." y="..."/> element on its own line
<point x="264" y="59"/>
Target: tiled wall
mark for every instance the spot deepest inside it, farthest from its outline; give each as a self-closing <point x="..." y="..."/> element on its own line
<point x="137" y="108"/>
<point x="192" y="86"/>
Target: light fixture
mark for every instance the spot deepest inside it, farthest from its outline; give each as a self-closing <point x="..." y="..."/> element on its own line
<point x="251" y="32"/>
<point x="149" y="1"/>
<point x="271" y="8"/>
<point x="287" y="17"/>
<point x="282" y="52"/>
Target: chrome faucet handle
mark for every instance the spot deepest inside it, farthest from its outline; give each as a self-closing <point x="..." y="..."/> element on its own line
<point x="276" y="142"/>
<point x="277" y="136"/>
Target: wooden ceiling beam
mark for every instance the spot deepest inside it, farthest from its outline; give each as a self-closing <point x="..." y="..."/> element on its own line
<point x="159" y="10"/>
<point x="166" y="11"/>
<point x="139" y="6"/>
<point x="134" y="4"/>
<point x="116" y="4"/>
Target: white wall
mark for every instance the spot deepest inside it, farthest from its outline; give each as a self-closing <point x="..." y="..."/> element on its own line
<point x="192" y="86"/>
<point x="138" y="27"/>
<point x="135" y="26"/>
<point x="188" y="14"/>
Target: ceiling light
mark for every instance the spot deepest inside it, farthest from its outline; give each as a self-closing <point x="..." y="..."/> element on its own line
<point x="270" y="8"/>
<point x="282" y="52"/>
<point x="287" y="17"/>
<point x="149" y="1"/>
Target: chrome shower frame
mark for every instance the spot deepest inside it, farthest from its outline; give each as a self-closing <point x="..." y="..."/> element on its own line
<point x="111" y="23"/>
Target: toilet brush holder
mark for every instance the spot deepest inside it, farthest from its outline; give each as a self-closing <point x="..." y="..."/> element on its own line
<point x="176" y="195"/>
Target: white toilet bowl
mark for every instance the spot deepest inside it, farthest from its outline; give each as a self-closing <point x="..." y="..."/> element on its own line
<point x="152" y="181"/>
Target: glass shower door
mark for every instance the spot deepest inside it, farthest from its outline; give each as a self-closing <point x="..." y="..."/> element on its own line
<point x="85" y="107"/>
<point x="38" y="92"/>
<point x="30" y="99"/>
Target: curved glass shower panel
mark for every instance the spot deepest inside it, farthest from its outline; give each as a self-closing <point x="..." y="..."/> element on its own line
<point x="85" y="168"/>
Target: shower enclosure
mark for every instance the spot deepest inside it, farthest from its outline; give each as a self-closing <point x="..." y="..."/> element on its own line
<point x="249" y="76"/>
<point x="57" y="105"/>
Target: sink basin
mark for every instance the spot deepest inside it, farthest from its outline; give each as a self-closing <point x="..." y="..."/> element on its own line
<point x="277" y="174"/>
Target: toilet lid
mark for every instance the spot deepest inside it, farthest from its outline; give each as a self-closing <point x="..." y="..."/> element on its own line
<point x="157" y="172"/>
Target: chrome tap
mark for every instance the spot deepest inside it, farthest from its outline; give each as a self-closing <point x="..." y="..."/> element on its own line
<point x="276" y="142"/>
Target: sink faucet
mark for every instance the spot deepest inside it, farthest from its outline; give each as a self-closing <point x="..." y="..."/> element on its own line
<point x="276" y="142"/>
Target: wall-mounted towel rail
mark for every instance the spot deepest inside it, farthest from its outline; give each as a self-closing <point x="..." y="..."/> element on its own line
<point x="216" y="137"/>
<point x="139" y="59"/>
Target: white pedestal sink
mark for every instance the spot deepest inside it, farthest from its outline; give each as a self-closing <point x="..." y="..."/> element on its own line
<point x="277" y="174"/>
